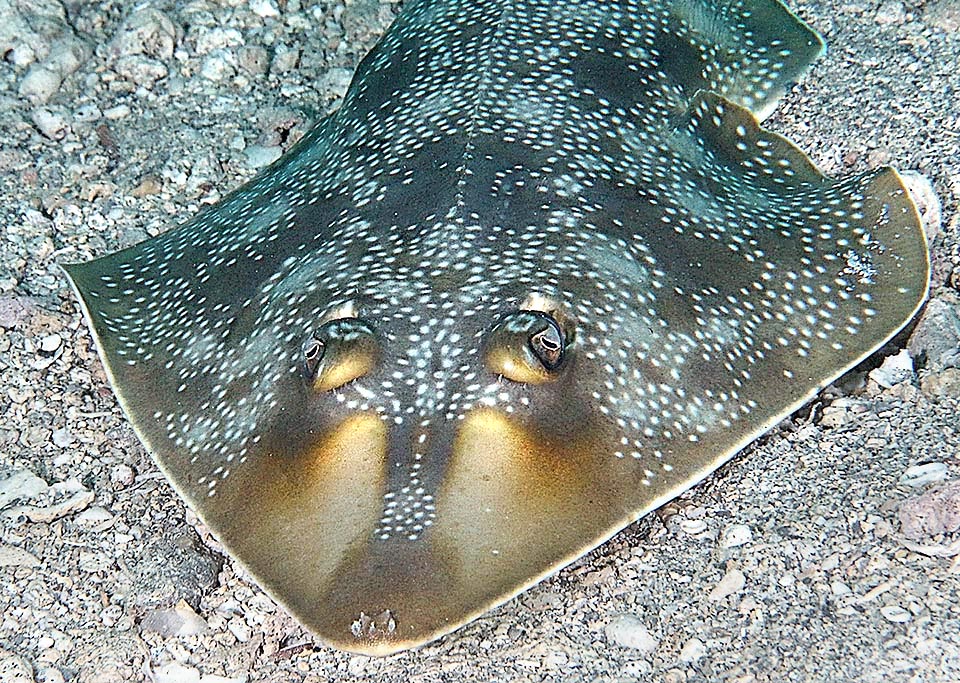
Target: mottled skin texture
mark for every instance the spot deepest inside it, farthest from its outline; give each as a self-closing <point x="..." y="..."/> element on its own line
<point x="541" y="272"/>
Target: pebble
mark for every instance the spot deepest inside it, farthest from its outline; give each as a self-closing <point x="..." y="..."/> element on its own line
<point x="921" y="475"/>
<point x="217" y="39"/>
<point x="47" y="513"/>
<point x="50" y="675"/>
<point x="931" y="513"/>
<point x="87" y="113"/>
<point x="937" y="336"/>
<point x="693" y="527"/>
<point x="266" y="9"/>
<point x="629" y="630"/>
<point x="174" y="672"/>
<point x="731" y="583"/>
<point x="19" y="486"/>
<point x="95" y="516"/>
<point x="43" y="79"/>
<point x="927" y="202"/>
<point x="692" y="650"/>
<point x="878" y="157"/>
<point x="895" y="614"/>
<point x="259" y="156"/>
<point x="143" y="45"/>
<point x="121" y="111"/>
<point x="555" y="660"/>
<point x="141" y="71"/>
<point x="149" y="185"/>
<point x="638" y="669"/>
<point x="337" y="80"/>
<point x="15" y="309"/>
<point x="122" y="476"/>
<point x="218" y="66"/>
<point x="50" y="124"/>
<point x="839" y="588"/>
<point x="39" y="84"/>
<point x="285" y="58"/>
<point x="891" y="12"/>
<point x="50" y="343"/>
<point x="229" y="607"/>
<point x="67" y="55"/>
<point x="253" y="59"/>
<point x="62" y="437"/>
<point x="94" y="562"/>
<point x="239" y="628"/>
<point x="893" y="370"/>
<point x="12" y="556"/>
<point x="180" y="620"/>
<point x="675" y="676"/>
<point x="841" y="411"/>
<point x="735" y="535"/>
<point x="14" y="668"/>
<point x="146" y="31"/>
<point x="944" y="384"/>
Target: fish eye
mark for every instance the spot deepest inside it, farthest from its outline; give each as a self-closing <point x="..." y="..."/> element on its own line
<point x="528" y="346"/>
<point x="547" y="344"/>
<point x="313" y="351"/>
<point x="338" y="352"/>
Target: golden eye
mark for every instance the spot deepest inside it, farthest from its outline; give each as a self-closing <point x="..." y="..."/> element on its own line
<point x="339" y="351"/>
<point x="527" y="346"/>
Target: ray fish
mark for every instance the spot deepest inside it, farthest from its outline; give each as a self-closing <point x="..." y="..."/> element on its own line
<point x="539" y="273"/>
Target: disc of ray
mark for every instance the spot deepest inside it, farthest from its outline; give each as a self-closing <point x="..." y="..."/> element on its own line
<point x="538" y="274"/>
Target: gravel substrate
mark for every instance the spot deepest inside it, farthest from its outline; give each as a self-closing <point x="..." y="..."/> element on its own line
<point x="827" y="551"/>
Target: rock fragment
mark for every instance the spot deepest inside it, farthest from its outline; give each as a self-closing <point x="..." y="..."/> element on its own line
<point x="143" y="46"/>
<point x="78" y="498"/>
<point x="21" y="485"/>
<point x="927" y="202"/>
<point x="50" y="123"/>
<point x="735" y="535"/>
<point x="935" y="343"/>
<point x="731" y="584"/>
<point x="895" y="614"/>
<point x="932" y="513"/>
<point x="921" y="475"/>
<point x="692" y="650"/>
<point x="936" y="340"/>
<point x="628" y="630"/>
<point x="893" y="370"/>
<point x="15" y="668"/>
<point x="12" y="556"/>
<point x="172" y="567"/>
<point x="179" y="620"/>
<point x="43" y="79"/>
<point x="891" y="12"/>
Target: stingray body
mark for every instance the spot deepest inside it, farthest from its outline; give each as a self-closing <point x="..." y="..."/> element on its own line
<point x="538" y="274"/>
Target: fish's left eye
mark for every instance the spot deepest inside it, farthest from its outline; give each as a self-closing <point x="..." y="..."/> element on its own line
<point x="313" y="352"/>
<point x="547" y="344"/>
<point x="339" y="351"/>
<point x="527" y="346"/>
